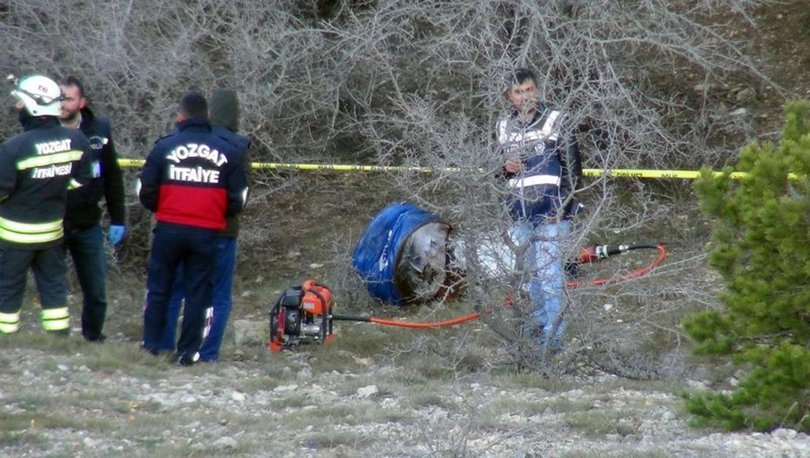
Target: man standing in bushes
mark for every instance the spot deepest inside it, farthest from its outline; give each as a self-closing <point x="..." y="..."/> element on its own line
<point x="36" y="169"/>
<point x="193" y="180"/>
<point x="224" y="119"/>
<point x="543" y="168"/>
<point x="84" y="238"/>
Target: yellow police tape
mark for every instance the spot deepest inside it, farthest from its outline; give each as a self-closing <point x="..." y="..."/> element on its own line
<point x="628" y="173"/>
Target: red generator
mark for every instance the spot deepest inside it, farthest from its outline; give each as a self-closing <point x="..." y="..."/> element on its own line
<point x="303" y="314"/>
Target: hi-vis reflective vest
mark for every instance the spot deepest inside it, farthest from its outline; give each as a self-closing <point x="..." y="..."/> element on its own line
<point x="36" y="169"/>
<point x="535" y="192"/>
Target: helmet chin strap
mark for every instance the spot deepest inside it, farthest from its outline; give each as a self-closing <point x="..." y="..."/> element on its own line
<point x="41" y="99"/>
<point x="40" y="94"/>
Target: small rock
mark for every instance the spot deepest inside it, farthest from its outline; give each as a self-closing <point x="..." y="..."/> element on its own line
<point x="697" y="385"/>
<point x="745" y="95"/>
<point x="225" y="442"/>
<point x="362" y="361"/>
<point x="285" y="388"/>
<point x="305" y="373"/>
<point x="247" y="332"/>
<point x="703" y="87"/>
<point x="367" y="391"/>
<point x="90" y="443"/>
<point x="784" y="433"/>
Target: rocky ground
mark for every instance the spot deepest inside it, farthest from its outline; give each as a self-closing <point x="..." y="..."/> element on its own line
<point x="373" y="391"/>
<point x="278" y="405"/>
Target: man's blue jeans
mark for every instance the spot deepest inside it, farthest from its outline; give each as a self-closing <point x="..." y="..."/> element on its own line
<point x="222" y="302"/>
<point x="543" y="260"/>
<point x="86" y="247"/>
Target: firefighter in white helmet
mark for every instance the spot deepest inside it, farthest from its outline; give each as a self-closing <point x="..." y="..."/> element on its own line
<point x="37" y="167"/>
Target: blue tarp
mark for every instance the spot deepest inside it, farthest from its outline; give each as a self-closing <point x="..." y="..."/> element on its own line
<point x="378" y="252"/>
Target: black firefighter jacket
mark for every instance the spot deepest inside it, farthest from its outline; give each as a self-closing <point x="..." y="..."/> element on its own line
<point x="37" y="167"/>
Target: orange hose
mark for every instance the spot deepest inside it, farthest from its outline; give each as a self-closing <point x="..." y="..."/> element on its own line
<point x="426" y="325"/>
<point x="662" y="255"/>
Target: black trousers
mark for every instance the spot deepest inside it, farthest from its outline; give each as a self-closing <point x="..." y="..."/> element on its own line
<point x="48" y="265"/>
<point x="86" y="248"/>
<point x="195" y="249"/>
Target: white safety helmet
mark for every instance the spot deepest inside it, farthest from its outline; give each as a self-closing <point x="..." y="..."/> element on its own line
<point x="40" y="95"/>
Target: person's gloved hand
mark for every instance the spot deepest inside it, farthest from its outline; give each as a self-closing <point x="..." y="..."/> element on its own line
<point x="116" y="234"/>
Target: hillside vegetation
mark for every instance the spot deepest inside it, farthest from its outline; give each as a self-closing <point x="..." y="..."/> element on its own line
<point x="660" y="85"/>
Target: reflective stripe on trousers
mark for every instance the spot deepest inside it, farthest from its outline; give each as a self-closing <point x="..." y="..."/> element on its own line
<point x="56" y="319"/>
<point x="9" y="322"/>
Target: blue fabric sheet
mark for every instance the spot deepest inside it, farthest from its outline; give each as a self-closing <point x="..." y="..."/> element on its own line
<point x="378" y="251"/>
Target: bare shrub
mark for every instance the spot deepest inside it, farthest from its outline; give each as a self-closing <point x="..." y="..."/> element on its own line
<point x="420" y="83"/>
<point x="610" y="67"/>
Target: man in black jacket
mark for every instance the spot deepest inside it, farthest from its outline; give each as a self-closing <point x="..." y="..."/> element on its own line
<point x="84" y="238"/>
<point x="36" y="169"/>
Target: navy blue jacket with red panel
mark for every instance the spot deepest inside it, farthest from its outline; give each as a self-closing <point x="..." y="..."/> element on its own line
<point x="193" y="177"/>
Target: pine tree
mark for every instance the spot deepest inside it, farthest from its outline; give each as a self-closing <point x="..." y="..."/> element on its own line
<point x="761" y="248"/>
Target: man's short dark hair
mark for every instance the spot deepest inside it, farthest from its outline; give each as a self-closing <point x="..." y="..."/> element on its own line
<point x="193" y="105"/>
<point x="520" y="76"/>
<point x="73" y="81"/>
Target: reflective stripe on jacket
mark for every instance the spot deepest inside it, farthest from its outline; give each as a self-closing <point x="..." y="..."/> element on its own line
<point x="27" y="233"/>
<point x="535" y="192"/>
<point x="37" y="167"/>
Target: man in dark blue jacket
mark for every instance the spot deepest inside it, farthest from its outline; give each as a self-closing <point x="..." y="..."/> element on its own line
<point x="84" y="238"/>
<point x="193" y="180"/>
<point x="224" y="118"/>
<point x="543" y="170"/>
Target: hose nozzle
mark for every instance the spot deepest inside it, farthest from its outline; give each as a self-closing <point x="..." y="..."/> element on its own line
<point x="595" y="253"/>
